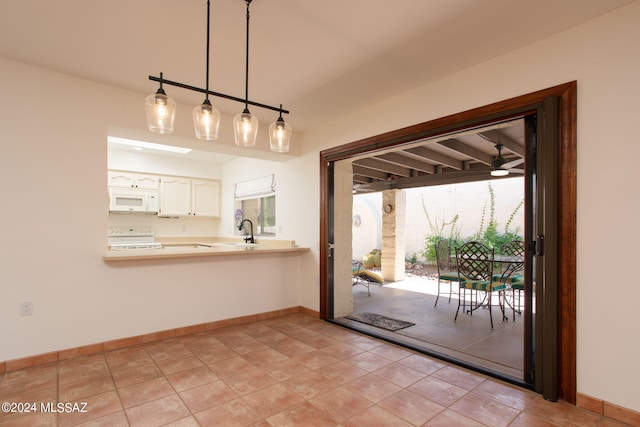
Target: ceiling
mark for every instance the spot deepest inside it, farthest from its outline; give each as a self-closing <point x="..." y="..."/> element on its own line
<point x="320" y="59"/>
<point x="463" y="157"/>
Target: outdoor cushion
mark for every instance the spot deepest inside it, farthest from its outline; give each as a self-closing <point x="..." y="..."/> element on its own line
<point x="517" y="282"/>
<point x="482" y="285"/>
<point x="366" y="275"/>
<point x="452" y="277"/>
<point x="515" y="279"/>
<point x="496" y="277"/>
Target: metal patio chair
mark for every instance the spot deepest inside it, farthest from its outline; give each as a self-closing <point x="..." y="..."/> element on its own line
<point x="446" y="268"/>
<point x="475" y="274"/>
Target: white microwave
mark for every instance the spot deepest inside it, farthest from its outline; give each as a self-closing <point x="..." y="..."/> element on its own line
<point x="141" y="201"/>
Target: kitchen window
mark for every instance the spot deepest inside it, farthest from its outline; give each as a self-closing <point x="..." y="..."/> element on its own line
<point x="255" y="200"/>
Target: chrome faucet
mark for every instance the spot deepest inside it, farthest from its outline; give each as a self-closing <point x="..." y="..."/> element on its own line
<point x="247" y="239"/>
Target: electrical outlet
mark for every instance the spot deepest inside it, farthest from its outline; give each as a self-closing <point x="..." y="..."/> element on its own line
<point x="26" y="308"/>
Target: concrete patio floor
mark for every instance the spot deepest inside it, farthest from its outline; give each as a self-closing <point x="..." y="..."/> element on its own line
<point x="470" y="339"/>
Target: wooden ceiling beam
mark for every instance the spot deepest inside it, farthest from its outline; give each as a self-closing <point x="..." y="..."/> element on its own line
<point x="435" y="157"/>
<point x="467" y="150"/>
<point x="369" y="173"/>
<point x="497" y="137"/>
<point x="381" y="165"/>
<point x="412" y="162"/>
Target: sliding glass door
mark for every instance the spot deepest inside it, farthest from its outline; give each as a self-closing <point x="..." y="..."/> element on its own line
<point x="543" y="129"/>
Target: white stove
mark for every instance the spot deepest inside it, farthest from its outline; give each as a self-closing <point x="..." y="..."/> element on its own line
<point x="132" y="238"/>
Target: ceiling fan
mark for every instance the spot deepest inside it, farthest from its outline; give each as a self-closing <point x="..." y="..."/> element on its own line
<point x="501" y="167"/>
<point x="372" y="187"/>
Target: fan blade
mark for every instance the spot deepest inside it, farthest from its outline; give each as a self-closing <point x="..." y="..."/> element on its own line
<point x="362" y="188"/>
<point x="513" y="163"/>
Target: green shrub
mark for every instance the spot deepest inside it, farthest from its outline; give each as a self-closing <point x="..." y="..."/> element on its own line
<point x="439" y="230"/>
<point x="487" y="232"/>
<point x="491" y="236"/>
<point x="412" y="259"/>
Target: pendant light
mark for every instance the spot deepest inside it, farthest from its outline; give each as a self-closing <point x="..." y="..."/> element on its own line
<point x="161" y="111"/>
<point x="279" y="135"/>
<point x="245" y="125"/>
<point x="206" y="118"/>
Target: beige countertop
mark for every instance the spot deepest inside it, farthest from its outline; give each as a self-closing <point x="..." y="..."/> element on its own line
<point x="178" y="247"/>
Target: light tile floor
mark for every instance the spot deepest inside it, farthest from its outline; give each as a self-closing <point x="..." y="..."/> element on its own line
<point x="289" y="371"/>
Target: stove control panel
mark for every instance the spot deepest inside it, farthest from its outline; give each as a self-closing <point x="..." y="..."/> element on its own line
<point x="124" y="231"/>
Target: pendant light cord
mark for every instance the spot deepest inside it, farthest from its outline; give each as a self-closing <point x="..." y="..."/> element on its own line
<point x="162" y="81"/>
<point x="208" y="37"/>
<point x="246" y="70"/>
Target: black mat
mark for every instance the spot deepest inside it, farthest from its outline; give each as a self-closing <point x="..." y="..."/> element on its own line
<point x="380" y="321"/>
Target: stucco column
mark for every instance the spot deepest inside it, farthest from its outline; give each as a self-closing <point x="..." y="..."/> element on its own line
<point x="394" y="204"/>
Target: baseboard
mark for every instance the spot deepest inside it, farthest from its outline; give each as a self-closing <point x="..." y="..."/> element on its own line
<point x="54" y="356"/>
<point x="584" y="401"/>
<point x="610" y="410"/>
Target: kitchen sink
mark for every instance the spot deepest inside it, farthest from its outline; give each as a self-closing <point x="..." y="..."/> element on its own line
<point x="189" y="247"/>
<point x="196" y="246"/>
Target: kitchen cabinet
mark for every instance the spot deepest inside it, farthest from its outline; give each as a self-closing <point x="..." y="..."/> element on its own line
<point x="132" y="180"/>
<point x="205" y="197"/>
<point x="180" y="196"/>
<point x="175" y="196"/>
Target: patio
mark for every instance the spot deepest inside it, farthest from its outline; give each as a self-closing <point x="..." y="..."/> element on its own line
<point x="469" y="339"/>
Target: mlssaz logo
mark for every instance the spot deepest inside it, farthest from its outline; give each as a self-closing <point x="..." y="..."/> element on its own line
<point x="63" y="407"/>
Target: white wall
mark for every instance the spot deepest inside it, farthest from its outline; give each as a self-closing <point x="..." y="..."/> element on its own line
<point x="443" y="202"/>
<point x="602" y="55"/>
<point x="54" y="217"/>
<point x="53" y="149"/>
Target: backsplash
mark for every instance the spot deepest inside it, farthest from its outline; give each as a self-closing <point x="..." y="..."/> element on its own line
<point x="168" y="227"/>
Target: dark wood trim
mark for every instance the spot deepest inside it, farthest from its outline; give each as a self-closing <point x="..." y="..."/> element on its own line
<point x="502" y="110"/>
<point x="324" y="237"/>
<point x="567" y="248"/>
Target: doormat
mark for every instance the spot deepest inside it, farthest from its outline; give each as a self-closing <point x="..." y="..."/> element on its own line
<point x="380" y="321"/>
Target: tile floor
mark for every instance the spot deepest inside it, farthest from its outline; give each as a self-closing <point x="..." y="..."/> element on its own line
<point x="289" y="371"/>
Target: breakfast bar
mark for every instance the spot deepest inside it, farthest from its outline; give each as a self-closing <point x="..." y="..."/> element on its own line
<point x="204" y="247"/>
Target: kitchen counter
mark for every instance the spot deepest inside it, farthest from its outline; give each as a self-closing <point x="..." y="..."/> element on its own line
<point x="204" y="247"/>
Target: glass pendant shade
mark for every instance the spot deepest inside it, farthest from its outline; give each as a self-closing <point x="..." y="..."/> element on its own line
<point x="161" y="112"/>
<point x="279" y="136"/>
<point x="206" y="121"/>
<point x="245" y="129"/>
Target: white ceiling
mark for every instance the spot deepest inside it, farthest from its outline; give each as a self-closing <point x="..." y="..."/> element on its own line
<point x="320" y="59"/>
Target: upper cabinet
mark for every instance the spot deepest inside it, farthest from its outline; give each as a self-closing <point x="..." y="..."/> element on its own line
<point x="178" y="196"/>
<point x="205" y="197"/>
<point x="175" y="196"/>
<point x="132" y="180"/>
<point x="181" y="196"/>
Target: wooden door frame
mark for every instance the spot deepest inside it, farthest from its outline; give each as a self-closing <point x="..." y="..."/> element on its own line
<point x="514" y="107"/>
